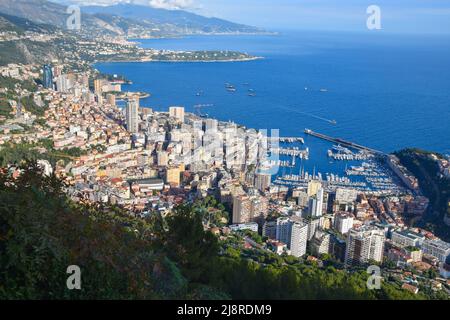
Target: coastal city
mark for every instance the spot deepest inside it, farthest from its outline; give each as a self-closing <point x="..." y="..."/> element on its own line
<point x="110" y="149"/>
<point x="216" y="160"/>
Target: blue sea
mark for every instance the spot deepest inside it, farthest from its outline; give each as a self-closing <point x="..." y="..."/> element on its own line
<point x="385" y="91"/>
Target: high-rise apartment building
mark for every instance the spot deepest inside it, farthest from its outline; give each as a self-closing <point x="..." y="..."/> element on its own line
<point x="321" y="243"/>
<point x="316" y="204"/>
<point x="111" y="98"/>
<point x="262" y="181"/>
<point x="343" y="222"/>
<point x="437" y="248"/>
<point x="241" y="209"/>
<point x="211" y="125"/>
<point x="294" y="233"/>
<point x="249" y="209"/>
<point x="98" y="86"/>
<point x="364" y="245"/>
<point x="177" y="113"/>
<point x="299" y="235"/>
<point x="313" y="187"/>
<point x="48" y="76"/>
<point x="132" y="115"/>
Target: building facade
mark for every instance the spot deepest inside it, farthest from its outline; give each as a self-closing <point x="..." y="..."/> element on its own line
<point x="364" y="245"/>
<point x="132" y="115"/>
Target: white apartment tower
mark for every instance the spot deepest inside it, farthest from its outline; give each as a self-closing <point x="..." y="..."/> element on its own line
<point x="132" y="115"/>
<point x="343" y="222"/>
<point x="299" y="237"/>
<point x="316" y="204"/>
<point x="363" y="245"/>
<point x="294" y="234"/>
<point x="283" y="232"/>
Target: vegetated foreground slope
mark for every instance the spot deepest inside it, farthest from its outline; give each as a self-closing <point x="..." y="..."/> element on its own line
<point x="42" y="232"/>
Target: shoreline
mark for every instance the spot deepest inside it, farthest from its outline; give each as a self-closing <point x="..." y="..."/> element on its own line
<point x="237" y="34"/>
<point x="180" y="61"/>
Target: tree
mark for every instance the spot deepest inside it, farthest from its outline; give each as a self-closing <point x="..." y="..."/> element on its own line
<point x="188" y="244"/>
<point x="42" y="233"/>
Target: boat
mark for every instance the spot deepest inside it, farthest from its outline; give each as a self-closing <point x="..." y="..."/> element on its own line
<point x="230" y="87"/>
<point x="252" y="94"/>
<point x="323" y="90"/>
<point x="333" y="122"/>
<point x="340" y="148"/>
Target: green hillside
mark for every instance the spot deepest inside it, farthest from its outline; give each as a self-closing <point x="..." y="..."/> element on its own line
<point x="42" y="232"/>
<point x="434" y="187"/>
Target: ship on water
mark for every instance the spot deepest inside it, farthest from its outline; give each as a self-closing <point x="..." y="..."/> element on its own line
<point x="230" y="87"/>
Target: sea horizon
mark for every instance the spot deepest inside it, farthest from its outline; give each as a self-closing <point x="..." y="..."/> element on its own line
<point x="307" y="60"/>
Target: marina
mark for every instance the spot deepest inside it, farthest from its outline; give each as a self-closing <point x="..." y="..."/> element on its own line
<point x="295" y="152"/>
<point x="340" y="153"/>
<point x="371" y="176"/>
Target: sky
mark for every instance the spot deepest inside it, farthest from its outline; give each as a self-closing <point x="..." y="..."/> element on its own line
<point x="397" y="16"/>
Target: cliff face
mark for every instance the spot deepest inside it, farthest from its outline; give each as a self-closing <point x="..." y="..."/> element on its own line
<point x="26" y="52"/>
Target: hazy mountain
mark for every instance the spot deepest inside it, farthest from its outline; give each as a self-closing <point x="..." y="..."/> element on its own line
<point x="178" y="19"/>
<point x="24" y="50"/>
<point x="20" y="25"/>
<point x="45" y="12"/>
<point x="124" y="19"/>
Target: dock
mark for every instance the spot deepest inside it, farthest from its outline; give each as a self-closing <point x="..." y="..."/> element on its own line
<point x="287" y="139"/>
<point x="292" y="139"/>
<point x="343" y="142"/>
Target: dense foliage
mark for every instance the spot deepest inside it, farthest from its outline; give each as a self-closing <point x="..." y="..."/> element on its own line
<point x="42" y="232"/>
<point x="9" y="88"/>
<point x="19" y="153"/>
<point x="434" y="187"/>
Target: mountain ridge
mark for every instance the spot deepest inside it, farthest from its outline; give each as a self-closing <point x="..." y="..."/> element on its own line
<point x="179" y="18"/>
<point x="126" y="20"/>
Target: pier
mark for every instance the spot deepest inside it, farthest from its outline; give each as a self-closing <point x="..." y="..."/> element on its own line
<point x="343" y="142"/>
<point x="295" y="152"/>
<point x="286" y="139"/>
<point x="292" y="139"/>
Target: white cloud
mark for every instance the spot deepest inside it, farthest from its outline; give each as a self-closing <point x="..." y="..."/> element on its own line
<point x="160" y="4"/>
<point x="171" y="4"/>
